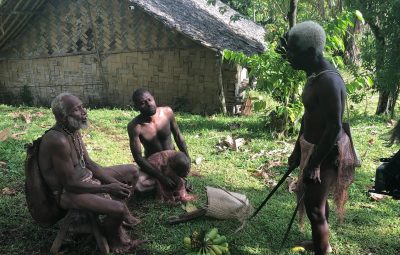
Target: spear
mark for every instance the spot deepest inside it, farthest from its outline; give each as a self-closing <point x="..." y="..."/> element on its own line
<point x="288" y="172"/>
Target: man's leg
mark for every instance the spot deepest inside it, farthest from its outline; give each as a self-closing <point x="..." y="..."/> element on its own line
<point x="315" y="200"/>
<point x="119" y="241"/>
<point x="127" y="174"/>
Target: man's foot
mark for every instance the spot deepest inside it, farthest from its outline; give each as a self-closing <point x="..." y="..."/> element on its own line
<point x="309" y="246"/>
<point x="121" y="242"/>
<point x="129" y="220"/>
<point x="131" y="224"/>
<point x="133" y="244"/>
<point x="188" y="198"/>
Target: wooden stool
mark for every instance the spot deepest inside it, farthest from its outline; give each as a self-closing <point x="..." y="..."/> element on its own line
<point x="90" y="226"/>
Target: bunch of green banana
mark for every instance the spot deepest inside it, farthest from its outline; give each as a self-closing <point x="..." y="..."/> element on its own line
<point x="206" y="244"/>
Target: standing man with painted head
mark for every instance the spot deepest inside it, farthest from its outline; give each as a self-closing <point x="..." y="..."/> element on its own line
<point x="77" y="182"/>
<point x="323" y="149"/>
<point x="152" y="129"/>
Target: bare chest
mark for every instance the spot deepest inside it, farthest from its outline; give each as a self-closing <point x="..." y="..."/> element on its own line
<point x="155" y="131"/>
<point x="310" y="97"/>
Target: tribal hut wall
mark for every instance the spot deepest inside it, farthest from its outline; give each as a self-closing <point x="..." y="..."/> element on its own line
<point x="101" y="51"/>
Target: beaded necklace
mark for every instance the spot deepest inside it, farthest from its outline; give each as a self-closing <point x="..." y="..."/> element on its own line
<point x="79" y="150"/>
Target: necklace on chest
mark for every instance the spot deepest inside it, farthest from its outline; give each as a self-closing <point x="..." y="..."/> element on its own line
<point x="77" y="146"/>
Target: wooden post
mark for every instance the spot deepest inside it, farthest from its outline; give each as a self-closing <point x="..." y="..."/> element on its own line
<point x="218" y="63"/>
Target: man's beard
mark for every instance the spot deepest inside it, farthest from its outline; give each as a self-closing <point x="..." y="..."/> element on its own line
<point x="76" y="124"/>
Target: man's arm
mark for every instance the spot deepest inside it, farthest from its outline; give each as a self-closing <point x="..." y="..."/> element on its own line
<point x="179" y="140"/>
<point x="145" y="166"/>
<point x="295" y="157"/>
<point x="61" y="158"/>
<point x="330" y="94"/>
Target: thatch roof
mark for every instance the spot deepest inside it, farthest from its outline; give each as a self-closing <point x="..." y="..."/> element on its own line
<point x="210" y="25"/>
<point x="14" y="15"/>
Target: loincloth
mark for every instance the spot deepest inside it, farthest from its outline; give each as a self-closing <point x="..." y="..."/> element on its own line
<point x="342" y="158"/>
<point x="147" y="183"/>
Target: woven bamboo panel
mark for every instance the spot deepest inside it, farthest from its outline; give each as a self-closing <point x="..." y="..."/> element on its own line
<point x="90" y="26"/>
<point x="101" y="51"/>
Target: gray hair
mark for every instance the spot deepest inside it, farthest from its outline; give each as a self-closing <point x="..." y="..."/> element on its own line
<point x="58" y="106"/>
<point x="310" y="34"/>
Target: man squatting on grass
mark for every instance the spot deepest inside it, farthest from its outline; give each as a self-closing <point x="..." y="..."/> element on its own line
<point x="152" y="128"/>
<point x="323" y="150"/>
<point x="78" y="182"/>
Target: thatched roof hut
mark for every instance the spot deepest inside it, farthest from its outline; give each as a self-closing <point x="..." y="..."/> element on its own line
<point x="102" y="50"/>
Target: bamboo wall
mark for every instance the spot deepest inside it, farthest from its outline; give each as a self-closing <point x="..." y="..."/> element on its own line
<point x="101" y="51"/>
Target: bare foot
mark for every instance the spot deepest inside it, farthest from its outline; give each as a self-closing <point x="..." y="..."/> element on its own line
<point x="129" y="219"/>
<point x="309" y="246"/>
<point x="127" y="247"/>
<point x="122" y="243"/>
<point x="187" y="198"/>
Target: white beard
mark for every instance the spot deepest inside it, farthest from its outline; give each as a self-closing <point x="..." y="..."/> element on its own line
<point x="75" y="124"/>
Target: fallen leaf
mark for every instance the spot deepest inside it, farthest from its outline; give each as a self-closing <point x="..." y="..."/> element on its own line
<point x="376" y="197"/>
<point x="195" y="173"/>
<point x="257" y="173"/>
<point x="237" y="143"/>
<point x="390" y="123"/>
<point x="234" y="125"/>
<point x="3" y="166"/>
<point x="4" y="134"/>
<point x="39" y="114"/>
<point x="292" y="184"/>
<point x="16" y="135"/>
<point x="227" y="141"/>
<point x="257" y="155"/>
<point x="370" y="206"/>
<point x="190" y="207"/>
<point x="8" y="191"/>
<point x="26" y="117"/>
<point x="198" y="160"/>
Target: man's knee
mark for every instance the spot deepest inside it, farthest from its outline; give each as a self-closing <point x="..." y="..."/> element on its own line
<point x="316" y="215"/>
<point x="132" y="174"/>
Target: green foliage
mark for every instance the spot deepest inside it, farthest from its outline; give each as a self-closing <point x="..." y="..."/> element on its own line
<point x="359" y="87"/>
<point x="274" y="76"/>
<point x="369" y="227"/>
<point x="383" y="17"/>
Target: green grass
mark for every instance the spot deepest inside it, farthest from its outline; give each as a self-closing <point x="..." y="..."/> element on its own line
<point x="369" y="227"/>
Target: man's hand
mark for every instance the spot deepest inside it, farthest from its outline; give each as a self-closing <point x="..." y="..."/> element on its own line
<point x="312" y="175"/>
<point x="119" y="189"/>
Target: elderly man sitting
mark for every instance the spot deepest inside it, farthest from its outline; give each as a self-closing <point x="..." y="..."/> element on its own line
<point x="77" y="182"/>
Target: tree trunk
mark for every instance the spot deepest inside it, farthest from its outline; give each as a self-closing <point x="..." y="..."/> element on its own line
<point x="352" y="51"/>
<point x="384" y="93"/>
<point x="393" y="101"/>
<point x="383" y="102"/>
<point x="292" y="14"/>
<point x="321" y="8"/>
<point x="218" y="63"/>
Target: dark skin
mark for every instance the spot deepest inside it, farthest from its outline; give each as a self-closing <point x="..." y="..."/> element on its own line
<point x="59" y="162"/>
<point x="152" y="129"/>
<point x="324" y="101"/>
